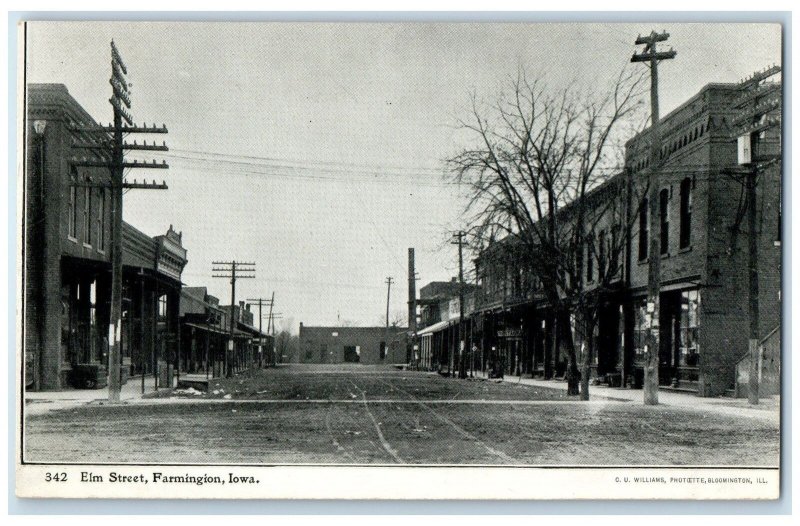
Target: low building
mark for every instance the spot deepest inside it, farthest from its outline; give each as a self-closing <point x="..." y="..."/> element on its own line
<point x="365" y="345"/>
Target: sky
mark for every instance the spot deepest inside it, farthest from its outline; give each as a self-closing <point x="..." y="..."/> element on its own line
<point x="317" y="150"/>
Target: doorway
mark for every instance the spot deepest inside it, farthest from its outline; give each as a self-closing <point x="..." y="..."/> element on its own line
<point x="351" y="354"/>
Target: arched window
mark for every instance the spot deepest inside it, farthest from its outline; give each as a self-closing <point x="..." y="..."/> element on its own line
<point x="686" y="212"/>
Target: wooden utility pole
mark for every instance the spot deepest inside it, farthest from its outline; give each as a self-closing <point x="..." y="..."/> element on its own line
<point x="652" y="56"/>
<point x="227" y="270"/>
<point x="760" y="106"/>
<point x="462" y="369"/>
<point x="107" y="146"/>
<point x="412" y="307"/>
<point x="272" y="358"/>
<point x="261" y="302"/>
<point x="388" y="282"/>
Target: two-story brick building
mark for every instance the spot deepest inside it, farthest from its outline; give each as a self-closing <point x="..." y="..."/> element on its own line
<point x="66" y="234"/>
<point x="703" y="319"/>
<point x="439" y="330"/>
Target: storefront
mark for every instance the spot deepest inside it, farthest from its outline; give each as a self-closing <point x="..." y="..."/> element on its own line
<point x="679" y="334"/>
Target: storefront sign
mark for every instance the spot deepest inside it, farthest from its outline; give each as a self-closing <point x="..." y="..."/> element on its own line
<point x="509" y="333"/>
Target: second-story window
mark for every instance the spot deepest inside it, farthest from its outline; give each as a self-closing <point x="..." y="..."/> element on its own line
<point x="73" y="212"/>
<point x="590" y="258"/>
<point x="101" y="220"/>
<point x="614" y="262"/>
<point x="686" y="212"/>
<point x="663" y="198"/>
<point x="643" y="231"/>
<point x="601" y="254"/>
<point x="87" y="215"/>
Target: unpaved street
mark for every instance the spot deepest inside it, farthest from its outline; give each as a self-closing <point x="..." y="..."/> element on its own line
<point x="346" y="415"/>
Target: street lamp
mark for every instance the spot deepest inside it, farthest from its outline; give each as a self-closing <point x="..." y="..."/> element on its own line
<point x="39" y="126"/>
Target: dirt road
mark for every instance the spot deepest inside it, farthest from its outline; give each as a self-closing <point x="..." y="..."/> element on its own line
<point x="368" y="416"/>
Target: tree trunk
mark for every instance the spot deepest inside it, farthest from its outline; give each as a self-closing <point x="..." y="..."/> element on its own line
<point x="567" y="345"/>
<point x="588" y="346"/>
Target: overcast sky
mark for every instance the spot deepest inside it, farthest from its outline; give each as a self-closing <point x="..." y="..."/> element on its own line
<point x="316" y="150"/>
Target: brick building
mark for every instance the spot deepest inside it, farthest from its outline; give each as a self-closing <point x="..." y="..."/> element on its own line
<point x="66" y="258"/>
<point x="365" y="345"/>
<point x="703" y="319"/>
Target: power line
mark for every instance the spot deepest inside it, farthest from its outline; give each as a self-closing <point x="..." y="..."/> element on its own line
<point x="348" y="165"/>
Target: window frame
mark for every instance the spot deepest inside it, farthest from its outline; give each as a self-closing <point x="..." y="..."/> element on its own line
<point x="686" y="214"/>
<point x="663" y="215"/>
<point x="72" y="211"/>
<point x="87" y="216"/>
<point x="644" y="229"/>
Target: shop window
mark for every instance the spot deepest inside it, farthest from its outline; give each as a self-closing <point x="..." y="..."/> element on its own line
<point x="72" y="218"/>
<point x="87" y="215"/>
<point x="690" y="328"/>
<point x="663" y="197"/>
<point x="643" y="226"/>
<point x="686" y="212"/>
<point x="162" y="307"/>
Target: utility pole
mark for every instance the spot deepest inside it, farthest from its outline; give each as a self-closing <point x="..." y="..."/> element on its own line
<point x="272" y="317"/>
<point x="388" y="282"/>
<point x="412" y="307"/>
<point x="760" y="105"/>
<point x="462" y="362"/>
<point x="227" y="270"/>
<point x="652" y="56"/>
<point x="269" y="322"/>
<point x="261" y="302"/>
<point x="107" y="144"/>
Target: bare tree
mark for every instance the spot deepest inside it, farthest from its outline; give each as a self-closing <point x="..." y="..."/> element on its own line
<point x="287" y="346"/>
<point x="538" y="155"/>
<point x="397" y="318"/>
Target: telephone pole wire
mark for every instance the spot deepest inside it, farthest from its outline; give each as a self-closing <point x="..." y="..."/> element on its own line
<point x="652" y="56"/>
<point x="261" y="302"/>
<point x="107" y="146"/>
<point x="228" y="270"/>
<point x="462" y="362"/>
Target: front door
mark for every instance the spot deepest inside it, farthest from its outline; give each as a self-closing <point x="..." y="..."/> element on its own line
<point x="350" y="354"/>
<point x="607" y="340"/>
<point x="669" y="321"/>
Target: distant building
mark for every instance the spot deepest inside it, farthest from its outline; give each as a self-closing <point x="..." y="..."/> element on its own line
<point x="438" y="330"/>
<point x="365" y="345"/>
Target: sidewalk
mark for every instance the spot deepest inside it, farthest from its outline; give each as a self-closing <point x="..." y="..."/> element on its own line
<point x="37" y="402"/>
<point x="768" y="407"/>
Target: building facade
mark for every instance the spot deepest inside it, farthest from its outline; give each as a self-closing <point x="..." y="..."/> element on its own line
<point x="66" y="236"/>
<point x="703" y="319"/>
<point x="364" y="345"/>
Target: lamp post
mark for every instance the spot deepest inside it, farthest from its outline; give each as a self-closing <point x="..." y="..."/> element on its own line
<point x="39" y="246"/>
